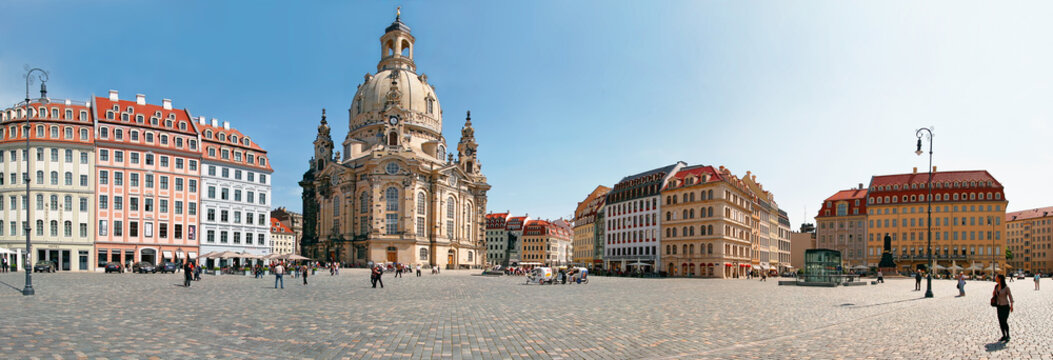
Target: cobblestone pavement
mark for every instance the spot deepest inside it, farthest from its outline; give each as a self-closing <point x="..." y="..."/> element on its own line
<point x="458" y="316"/>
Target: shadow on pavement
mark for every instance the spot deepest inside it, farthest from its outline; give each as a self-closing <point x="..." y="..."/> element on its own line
<point x="12" y="286"/>
<point x="879" y="304"/>
<point x="995" y="346"/>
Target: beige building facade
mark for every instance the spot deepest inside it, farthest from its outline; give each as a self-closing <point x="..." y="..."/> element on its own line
<point x="707" y="224"/>
<point x="60" y="168"/>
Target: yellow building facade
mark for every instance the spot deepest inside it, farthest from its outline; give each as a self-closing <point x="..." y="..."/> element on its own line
<point x="968" y="209"/>
<point x="1030" y="240"/>
<point x="585" y="240"/>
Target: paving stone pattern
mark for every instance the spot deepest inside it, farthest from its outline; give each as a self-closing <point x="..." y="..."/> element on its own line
<point x="456" y="315"/>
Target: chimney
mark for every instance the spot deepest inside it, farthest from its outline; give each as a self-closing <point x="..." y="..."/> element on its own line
<point x="226" y="125"/>
<point x="68" y="102"/>
<point x="915" y="169"/>
<point x="166" y="104"/>
<point x="753" y="177"/>
<point x="860" y="186"/>
<point x="113" y="95"/>
<point x="215" y="123"/>
<point x="140" y="99"/>
<point x="934" y="169"/>
<point x="202" y="120"/>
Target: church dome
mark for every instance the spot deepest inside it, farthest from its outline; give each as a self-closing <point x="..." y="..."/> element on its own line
<point x="412" y="95"/>
<point x="396" y="88"/>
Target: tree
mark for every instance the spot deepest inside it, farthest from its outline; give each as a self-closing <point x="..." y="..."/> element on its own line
<point x="1008" y="254"/>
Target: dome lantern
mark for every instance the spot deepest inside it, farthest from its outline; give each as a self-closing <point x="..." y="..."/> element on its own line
<point x="396" y="46"/>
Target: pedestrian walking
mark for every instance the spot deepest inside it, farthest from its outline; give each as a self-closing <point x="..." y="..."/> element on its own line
<point x="961" y="285"/>
<point x="279" y="270"/>
<point x="188" y="273"/>
<point x="398" y="270"/>
<point x="1037" y="277"/>
<point x="917" y="281"/>
<point x="304" y="269"/>
<point x="880" y="277"/>
<point x="418" y="270"/>
<point x="3" y="263"/>
<point x="197" y="273"/>
<point x="1003" y="300"/>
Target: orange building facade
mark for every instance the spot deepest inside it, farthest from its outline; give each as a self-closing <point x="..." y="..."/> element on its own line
<point x="1030" y="240"/>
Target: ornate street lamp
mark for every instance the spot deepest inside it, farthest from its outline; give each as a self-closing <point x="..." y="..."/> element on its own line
<point x="928" y="222"/>
<point x="43" y="76"/>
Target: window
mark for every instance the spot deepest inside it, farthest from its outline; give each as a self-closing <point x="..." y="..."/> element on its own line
<point x="237" y="195"/>
<point x="164" y="182"/>
<point x="392" y="224"/>
<point x="223" y="216"/>
<point x="391" y="196"/>
<point x="224" y="194"/>
<point x="134" y="157"/>
<point x="263" y="199"/>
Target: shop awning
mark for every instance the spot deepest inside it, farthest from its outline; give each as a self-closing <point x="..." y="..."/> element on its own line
<point x="193" y="255"/>
<point x="166" y="254"/>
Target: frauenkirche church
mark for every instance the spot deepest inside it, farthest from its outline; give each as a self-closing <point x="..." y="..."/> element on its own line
<point x="392" y="194"/>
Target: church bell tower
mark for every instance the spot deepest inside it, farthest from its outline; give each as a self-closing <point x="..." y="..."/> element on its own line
<point x="467" y="158"/>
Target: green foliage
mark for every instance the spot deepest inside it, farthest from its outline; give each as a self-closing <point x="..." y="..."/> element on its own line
<point x="1008" y="254"/>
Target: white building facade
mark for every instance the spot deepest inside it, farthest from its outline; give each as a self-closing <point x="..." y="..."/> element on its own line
<point x="236" y="192"/>
<point x="632" y="223"/>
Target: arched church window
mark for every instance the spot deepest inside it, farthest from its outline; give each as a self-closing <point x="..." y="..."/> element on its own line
<point x="421" y="204"/>
<point x="391" y="196"/>
<point x="336" y="208"/>
<point x="424" y="253"/>
<point x="440" y="152"/>
<point x="363" y="202"/>
<point x="450" y="207"/>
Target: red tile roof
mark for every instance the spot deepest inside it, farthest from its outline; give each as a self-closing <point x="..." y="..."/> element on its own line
<point x="696" y="171"/>
<point x="229" y="134"/>
<point x="851" y="196"/>
<point x="103" y="104"/>
<point x="939" y="176"/>
<point x="278" y="227"/>
<point x="1029" y="214"/>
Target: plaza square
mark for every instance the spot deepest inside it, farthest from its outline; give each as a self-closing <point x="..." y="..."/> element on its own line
<point x="459" y="315"/>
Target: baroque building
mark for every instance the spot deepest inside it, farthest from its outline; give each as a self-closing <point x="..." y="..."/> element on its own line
<point x="395" y="195"/>
<point x="1029" y="236"/>
<point x="61" y="160"/>
<point x="842" y="225"/>
<point x="586" y="240"/>
<point x="236" y="186"/>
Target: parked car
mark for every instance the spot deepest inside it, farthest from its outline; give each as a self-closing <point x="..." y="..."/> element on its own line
<point x="44" y="266"/>
<point x="114" y="267"/>
<point x="167" y="267"/>
<point x="143" y="267"/>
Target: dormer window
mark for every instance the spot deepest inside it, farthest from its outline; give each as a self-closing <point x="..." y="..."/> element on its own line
<point x="157" y="114"/>
<point x="208" y="134"/>
<point x="54" y="113"/>
<point x="139" y="119"/>
<point x="221" y="137"/>
<point x="124" y="117"/>
<point x="168" y="123"/>
<point x="153" y="121"/>
<point x="171" y="116"/>
<point x="83" y="115"/>
<point x="182" y="125"/>
<point x="234" y="139"/>
<point x="130" y="110"/>
<point x="69" y="114"/>
<point x="109" y="115"/>
<point x="245" y="141"/>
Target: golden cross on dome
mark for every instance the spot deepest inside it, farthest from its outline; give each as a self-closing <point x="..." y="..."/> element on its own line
<point x="398" y="12"/>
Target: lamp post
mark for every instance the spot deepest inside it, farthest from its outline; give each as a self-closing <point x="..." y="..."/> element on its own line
<point x="43" y="76"/>
<point x="928" y="222"/>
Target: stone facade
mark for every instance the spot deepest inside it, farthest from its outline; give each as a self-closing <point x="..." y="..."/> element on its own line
<point x="585" y="220"/>
<point x="395" y="195"/>
<point x="841" y="225"/>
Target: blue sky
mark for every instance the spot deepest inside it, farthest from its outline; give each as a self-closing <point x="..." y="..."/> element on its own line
<point x="811" y="96"/>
